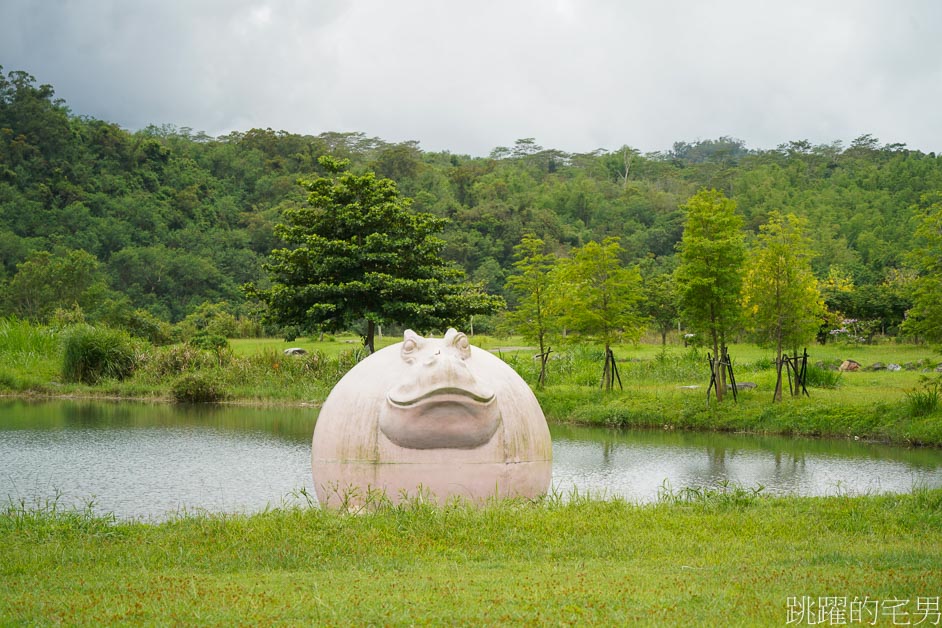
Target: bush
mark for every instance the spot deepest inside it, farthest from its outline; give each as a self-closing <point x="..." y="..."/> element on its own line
<point x="176" y="359"/>
<point x="197" y="388"/>
<point x="209" y="341"/>
<point x="94" y="353"/>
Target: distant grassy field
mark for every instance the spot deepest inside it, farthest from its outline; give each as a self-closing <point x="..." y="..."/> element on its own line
<point x="663" y="387"/>
<point x="726" y="558"/>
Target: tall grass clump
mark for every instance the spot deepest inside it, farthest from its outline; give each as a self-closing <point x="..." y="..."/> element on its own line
<point x="91" y="354"/>
<point x="819" y="377"/>
<point x="669" y="367"/>
<point x="171" y="361"/>
<point x="18" y="337"/>
<point x="926" y="401"/>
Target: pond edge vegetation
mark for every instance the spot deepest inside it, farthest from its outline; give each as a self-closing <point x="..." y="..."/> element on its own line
<point x="664" y="387"/>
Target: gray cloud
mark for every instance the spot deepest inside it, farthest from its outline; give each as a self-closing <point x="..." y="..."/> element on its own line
<point x="468" y="76"/>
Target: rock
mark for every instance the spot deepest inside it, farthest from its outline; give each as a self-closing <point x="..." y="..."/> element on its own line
<point x="910" y="366"/>
<point x="295" y="351"/>
<point x="894" y="367"/>
<point x="745" y="385"/>
<point x="690" y="387"/>
<point x="849" y="365"/>
<point x="938" y="369"/>
<point x="877" y="366"/>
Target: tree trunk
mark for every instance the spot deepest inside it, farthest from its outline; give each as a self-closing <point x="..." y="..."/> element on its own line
<point x="606" y="371"/>
<point x="778" y="378"/>
<point x="370" y="335"/>
<point x="717" y="369"/>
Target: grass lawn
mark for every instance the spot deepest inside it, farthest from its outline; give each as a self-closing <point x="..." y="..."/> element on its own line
<point x="725" y="558"/>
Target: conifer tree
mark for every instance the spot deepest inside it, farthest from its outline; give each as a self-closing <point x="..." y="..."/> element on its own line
<point x="358" y="254"/>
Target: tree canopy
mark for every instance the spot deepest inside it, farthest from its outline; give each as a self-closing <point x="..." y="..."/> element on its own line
<point x="926" y="314"/>
<point x="601" y="297"/>
<point x="175" y="218"/>
<point x="537" y="300"/>
<point x="358" y="254"/>
<point x="709" y="277"/>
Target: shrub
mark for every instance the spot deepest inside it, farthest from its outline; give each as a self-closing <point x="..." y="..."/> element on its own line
<point x="197" y="388"/>
<point x="94" y="353"/>
<point x="177" y="359"/>
<point x="209" y="341"/>
<point x="764" y="364"/>
<point x="143" y="324"/>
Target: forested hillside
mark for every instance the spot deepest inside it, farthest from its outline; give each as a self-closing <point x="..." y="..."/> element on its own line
<point x="151" y="224"/>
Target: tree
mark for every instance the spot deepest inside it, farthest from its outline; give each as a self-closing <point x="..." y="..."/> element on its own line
<point x="532" y="284"/>
<point x="925" y="317"/>
<point x="709" y="277"/>
<point x="359" y="254"/>
<point x="46" y="282"/>
<point x="601" y="298"/>
<point x="780" y="293"/>
<point x="659" y="302"/>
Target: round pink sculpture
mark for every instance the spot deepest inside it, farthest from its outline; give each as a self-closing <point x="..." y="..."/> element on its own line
<point x="433" y="417"/>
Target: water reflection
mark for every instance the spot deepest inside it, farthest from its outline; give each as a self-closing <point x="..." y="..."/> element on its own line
<point x="636" y="464"/>
<point x="147" y="460"/>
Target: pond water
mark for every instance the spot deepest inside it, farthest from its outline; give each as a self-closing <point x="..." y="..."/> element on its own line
<point x="149" y="461"/>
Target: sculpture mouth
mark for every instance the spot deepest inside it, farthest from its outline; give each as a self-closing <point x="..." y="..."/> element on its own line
<point x="443" y="395"/>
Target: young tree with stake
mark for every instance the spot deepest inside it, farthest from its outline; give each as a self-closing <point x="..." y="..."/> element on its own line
<point x="780" y="293"/>
<point x="709" y="277"/>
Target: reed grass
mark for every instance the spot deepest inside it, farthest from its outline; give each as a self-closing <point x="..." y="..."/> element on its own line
<point x="91" y="354"/>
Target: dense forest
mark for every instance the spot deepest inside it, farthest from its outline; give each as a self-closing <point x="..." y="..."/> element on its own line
<point x="160" y="224"/>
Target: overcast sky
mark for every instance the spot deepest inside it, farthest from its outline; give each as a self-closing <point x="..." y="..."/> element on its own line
<point x="466" y="76"/>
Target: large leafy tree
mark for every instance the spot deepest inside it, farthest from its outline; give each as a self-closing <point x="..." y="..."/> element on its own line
<point x="780" y="293"/>
<point x="536" y="305"/>
<point x="48" y="281"/>
<point x="357" y="253"/>
<point x="925" y="317"/>
<point x="709" y="278"/>
<point x="601" y="297"/>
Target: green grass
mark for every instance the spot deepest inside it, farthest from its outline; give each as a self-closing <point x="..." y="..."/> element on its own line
<point x="29" y="355"/>
<point x="717" y="558"/>
<point x="667" y="389"/>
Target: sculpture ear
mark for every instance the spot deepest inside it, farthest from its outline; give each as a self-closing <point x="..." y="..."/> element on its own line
<point x="459" y="341"/>
<point x="411" y="342"/>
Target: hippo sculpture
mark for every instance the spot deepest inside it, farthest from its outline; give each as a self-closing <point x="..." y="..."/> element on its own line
<point x="430" y="417"/>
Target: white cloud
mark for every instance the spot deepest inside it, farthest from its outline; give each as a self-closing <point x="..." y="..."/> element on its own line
<point x="468" y="76"/>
